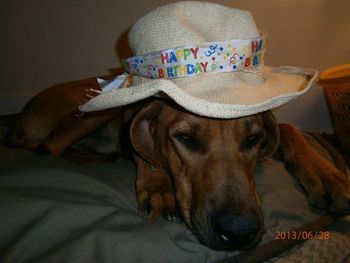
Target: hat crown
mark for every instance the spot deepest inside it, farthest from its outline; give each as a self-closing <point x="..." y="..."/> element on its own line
<point x="189" y="22"/>
<point x="206" y="28"/>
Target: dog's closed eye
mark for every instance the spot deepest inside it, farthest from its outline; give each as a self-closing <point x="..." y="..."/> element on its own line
<point x="252" y="140"/>
<point x="189" y="141"/>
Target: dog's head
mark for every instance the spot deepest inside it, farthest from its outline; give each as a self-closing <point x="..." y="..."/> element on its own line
<point x="211" y="164"/>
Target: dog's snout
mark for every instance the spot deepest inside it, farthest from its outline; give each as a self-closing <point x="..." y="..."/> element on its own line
<point x="236" y="231"/>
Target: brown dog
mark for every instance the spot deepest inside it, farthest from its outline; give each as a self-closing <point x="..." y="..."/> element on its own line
<point x="50" y="122"/>
<point x="205" y="166"/>
<point x="199" y="166"/>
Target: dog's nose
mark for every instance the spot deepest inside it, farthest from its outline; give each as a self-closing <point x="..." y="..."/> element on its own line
<point x="236" y="231"/>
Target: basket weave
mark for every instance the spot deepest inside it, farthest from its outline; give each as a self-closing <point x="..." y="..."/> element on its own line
<point x="336" y="85"/>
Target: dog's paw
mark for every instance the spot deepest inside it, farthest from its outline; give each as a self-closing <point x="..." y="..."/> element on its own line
<point x="156" y="200"/>
<point x="156" y="204"/>
<point x="327" y="188"/>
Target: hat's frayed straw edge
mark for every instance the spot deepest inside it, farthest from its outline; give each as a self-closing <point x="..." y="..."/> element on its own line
<point x="123" y="97"/>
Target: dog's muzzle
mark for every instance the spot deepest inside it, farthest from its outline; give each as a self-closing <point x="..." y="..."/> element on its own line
<point x="237" y="231"/>
<point x="228" y="229"/>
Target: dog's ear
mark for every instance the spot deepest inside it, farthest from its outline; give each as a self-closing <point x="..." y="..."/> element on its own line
<point x="142" y="129"/>
<point x="271" y="136"/>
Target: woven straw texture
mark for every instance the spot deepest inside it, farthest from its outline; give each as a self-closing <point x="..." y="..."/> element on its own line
<point x="189" y="22"/>
<point x="219" y="95"/>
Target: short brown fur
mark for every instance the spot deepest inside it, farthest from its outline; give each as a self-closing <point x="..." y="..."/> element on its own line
<point x="201" y="167"/>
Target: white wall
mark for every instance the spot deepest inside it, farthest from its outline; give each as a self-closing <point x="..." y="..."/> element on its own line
<point x="47" y="42"/>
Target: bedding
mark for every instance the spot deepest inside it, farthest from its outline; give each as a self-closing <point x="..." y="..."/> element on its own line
<point x="52" y="210"/>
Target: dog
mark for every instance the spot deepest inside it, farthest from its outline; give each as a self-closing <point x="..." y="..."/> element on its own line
<point x="197" y="167"/>
<point x="50" y="122"/>
<point x="204" y="166"/>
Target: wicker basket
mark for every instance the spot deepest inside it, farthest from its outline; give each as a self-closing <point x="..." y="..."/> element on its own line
<point x="336" y="85"/>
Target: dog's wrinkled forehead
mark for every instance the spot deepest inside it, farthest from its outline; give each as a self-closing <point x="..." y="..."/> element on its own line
<point x="178" y="117"/>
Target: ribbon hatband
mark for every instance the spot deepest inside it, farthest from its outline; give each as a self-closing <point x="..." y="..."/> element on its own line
<point x="227" y="56"/>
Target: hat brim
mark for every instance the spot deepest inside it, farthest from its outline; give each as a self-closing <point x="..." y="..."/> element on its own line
<point x="220" y="95"/>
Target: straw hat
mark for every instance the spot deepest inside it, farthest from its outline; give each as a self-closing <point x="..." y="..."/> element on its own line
<point x="208" y="58"/>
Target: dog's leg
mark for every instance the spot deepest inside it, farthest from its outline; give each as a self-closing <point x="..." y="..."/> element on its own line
<point x="15" y="138"/>
<point x="70" y="131"/>
<point x="155" y="192"/>
<point x="338" y="160"/>
<point x="324" y="183"/>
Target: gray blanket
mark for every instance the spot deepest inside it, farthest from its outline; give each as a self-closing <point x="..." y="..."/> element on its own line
<point x="52" y="210"/>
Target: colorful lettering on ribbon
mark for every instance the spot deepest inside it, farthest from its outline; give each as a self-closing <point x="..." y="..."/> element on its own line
<point x="191" y="60"/>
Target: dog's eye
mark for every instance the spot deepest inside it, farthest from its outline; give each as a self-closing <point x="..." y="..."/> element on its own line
<point x="252" y="140"/>
<point x="188" y="141"/>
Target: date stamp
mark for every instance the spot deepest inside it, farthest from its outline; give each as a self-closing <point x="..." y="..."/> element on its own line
<point x="304" y="235"/>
